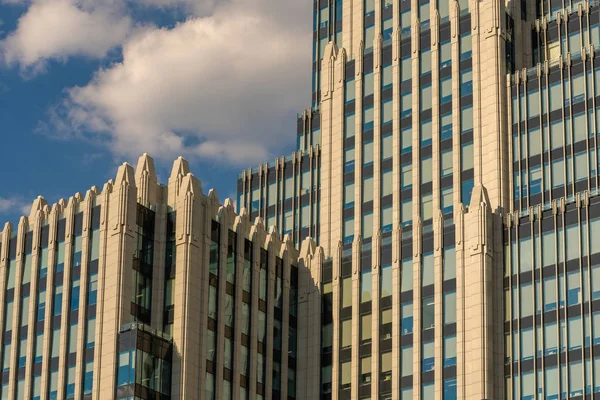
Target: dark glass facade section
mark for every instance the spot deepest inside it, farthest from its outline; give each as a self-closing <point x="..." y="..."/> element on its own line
<point x="144" y="364"/>
<point x="143" y="261"/>
<point x="552" y="301"/>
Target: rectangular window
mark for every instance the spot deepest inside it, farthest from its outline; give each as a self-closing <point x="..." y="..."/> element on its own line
<point x="428" y="357"/>
<point x="426" y="132"/>
<point x="349" y="126"/>
<point x="534" y="142"/>
<point x="346" y="335"/>
<point x="466" y="189"/>
<point x="349" y="195"/>
<point x="405" y="21"/>
<point x="386" y="219"/>
<point x="350" y="90"/>
<point x="447" y="200"/>
<point x="425" y="59"/>
<point x="407" y="318"/>
<point x="467" y="157"/>
<point x="23" y="353"/>
<point x="365" y="328"/>
<point x="24" y="311"/>
<point x="446" y="126"/>
<point x="39" y="347"/>
<point x="75" y="294"/>
<point x="406" y="140"/>
<point x="348" y="230"/>
<point x="406" y="212"/>
<point x="407" y="277"/>
<point x="386" y="366"/>
<point x="466" y="119"/>
<point x="466" y="82"/>
<point x="449" y="351"/>
<point x="533" y="103"/>
<point x="426" y="206"/>
<point x="368" y="153"/>
<point x="368" y="119"/>
<point x="93" y="289"/>
<point x="367" y="192"/>
<point x="449" y="308"/>
<point x="406" y="178"/>
<point x="349" y="160"/>
<point x="427" y="270"/>
<point x="445" y="47"/>
<point x="428" y="313"/>
<point x="367" y="225"/>
<point x="366" y="286"/>
<point x="555" y="97"/>
<point x="406" y="64"/>
<point x="424" y="13"/>
<point x="347" y="292"/>
<point x="58" y="294"/>
<point x="558" y="173"/>
<point x="386" y="281"/>
<point x="407" y="361"/>
<point x="446" y="163"/>
<point x="365" y="370"/>
<point x="406" y="105"/>
<point x="73" y="329"/>
<point x="449" y="263"/>
<point x="90" y="333"/>
<point x="465" y="47"/>
<point x="387" y="147"/>
<point x="426" y="170"/>
<point x="368" y="85"/>
<point x="387" y="112"/>
<point x="55" y="343"/>
<point x="387" y="77"/>
<point x="386" y="183"/>
<point x="425" y="97"/>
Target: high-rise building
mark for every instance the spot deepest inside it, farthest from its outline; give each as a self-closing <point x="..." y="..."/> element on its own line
<point x="433" y="236"/>
<point x="149" y="291"/>
<point x="457" y="196"/>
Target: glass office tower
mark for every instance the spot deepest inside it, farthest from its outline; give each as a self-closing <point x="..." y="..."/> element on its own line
<point x="551" y="274"/>
<point x="458" y="183"/>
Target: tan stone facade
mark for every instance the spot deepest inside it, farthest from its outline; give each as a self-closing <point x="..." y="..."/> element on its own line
<point x="212" y="304"/>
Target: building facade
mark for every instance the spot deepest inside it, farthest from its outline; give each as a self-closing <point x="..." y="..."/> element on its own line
<point x="148" y="291"/>
<point x="551" y="319"/>
<point x="433" y="236"/>
<point x="458" y="190"/>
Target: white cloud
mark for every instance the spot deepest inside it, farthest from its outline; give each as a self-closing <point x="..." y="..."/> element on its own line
<point x="57" y="29"/>
<point x="198" y="7"/>
<point x="14" y="205"/>
<point x="220" y="86"/>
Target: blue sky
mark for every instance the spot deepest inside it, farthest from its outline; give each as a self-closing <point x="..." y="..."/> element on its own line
<point x="88" y="84"/>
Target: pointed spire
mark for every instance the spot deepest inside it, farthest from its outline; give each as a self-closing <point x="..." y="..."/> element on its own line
<point x="478" y="195"/>
<point x="145" y="165"/>
<point x="23" y="224"/>
<point x="273" y="232"/>
<point x="258" y="221"/>
<point x="180" y="169"/>
<point x="125" y="174"/>
<point x="38" y="205"/>
<point x="108" y="187"/>
<point x="229" y="204"/>
<point x="213" y="196"/>
<point x="146" y="180"/>
<point x="307" y="248"/>
<point x="191" y="184"/>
